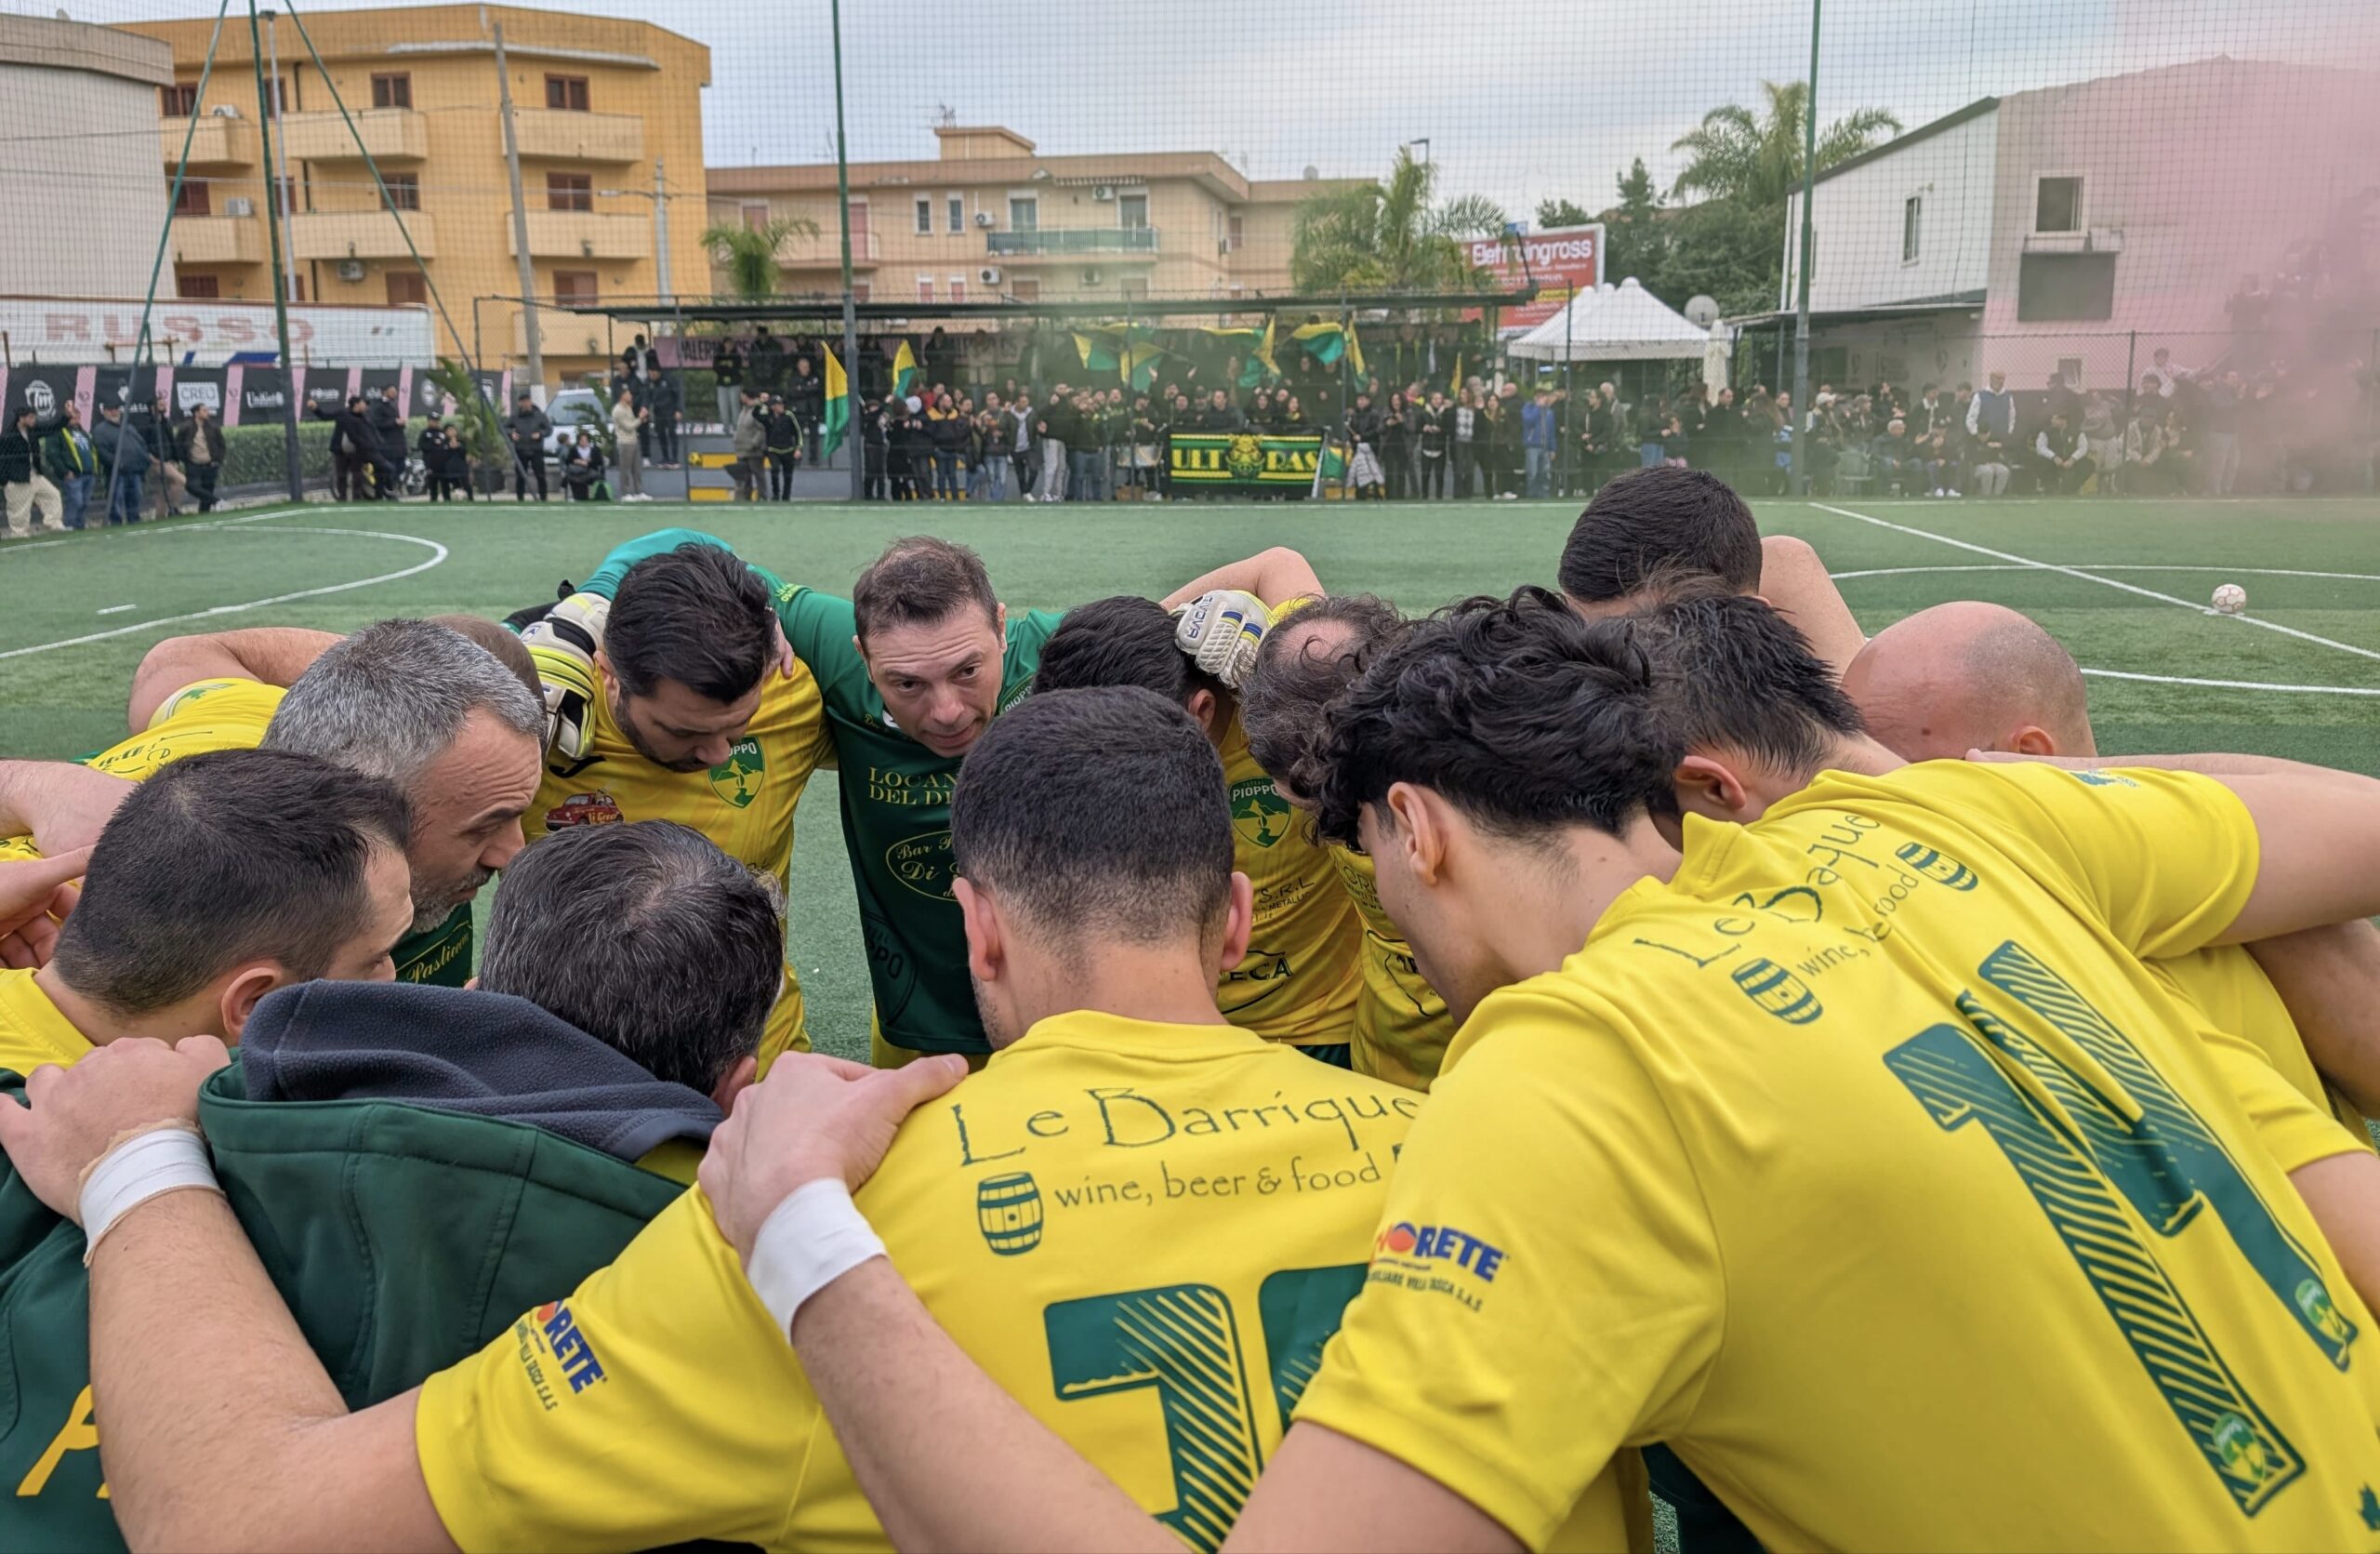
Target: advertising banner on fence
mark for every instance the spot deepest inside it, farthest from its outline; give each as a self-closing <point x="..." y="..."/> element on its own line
<point x="1243" y="461"/>
<point x="1561" y="263"/>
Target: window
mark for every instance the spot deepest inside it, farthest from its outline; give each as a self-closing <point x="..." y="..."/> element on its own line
<point x="179" y="101"/>
<point x="570" y="192"/>
<point x="1023" y="213"/>
<point x="297" y="288"/>
<point x="2065" y="287"/>
<point x="406" y="288"/>
<point x="567" y="93"/>
<point x="574" y="286"/>
<point x="1238" y="231"/>
<point x="1912" y="215"/>
<point x="756" y="216"/>
<point x="859" y="227"/>
<point x="405" y="191"/>
<point x="2069" y="371"/>
<point x="2057" y="204"/>
<point x="859" y="290"/>
<point x="192" y="200"/>
<point x="286" y="192"/>
<point x="197" y="286"/>
<point x="925" y="288"/>
<point x="393" y="91"/>
<point x="1025" y="288"/>
<point x="1132" y="211"/>
<point x="958" y="288"/>
<point x="1136" y="288"/>
<point x="925" y="216"/>
<point x="957" y="215"/>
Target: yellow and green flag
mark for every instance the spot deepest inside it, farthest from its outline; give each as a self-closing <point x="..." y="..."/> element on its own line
<point x="839" y="405"/>
<point x="904" y="372"/>
<point x="1327" y="342"/>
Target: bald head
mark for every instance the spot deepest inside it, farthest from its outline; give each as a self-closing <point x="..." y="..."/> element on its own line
<point x="1970" y="676"/>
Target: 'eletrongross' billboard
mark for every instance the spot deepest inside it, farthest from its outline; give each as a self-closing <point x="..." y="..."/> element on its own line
<point x="1562" y="263"/>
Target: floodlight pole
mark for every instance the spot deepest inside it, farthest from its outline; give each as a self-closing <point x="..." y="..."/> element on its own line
<point x="524" y="266"/>
<point x="1801" y="272"/>
<point x="853" y="437"/>
<point x="290" y="454"/>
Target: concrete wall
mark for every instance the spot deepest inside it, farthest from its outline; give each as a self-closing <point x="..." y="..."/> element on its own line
<point x="79" y="180"/>
<point x="1858" y="215"/>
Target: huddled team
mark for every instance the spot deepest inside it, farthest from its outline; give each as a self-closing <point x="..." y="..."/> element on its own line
<point x="1340" y="1079"/>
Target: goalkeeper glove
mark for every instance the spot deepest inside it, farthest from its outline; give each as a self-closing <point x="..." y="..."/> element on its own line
<point x="1221" y="631"/>
<point x="563" y="645"/>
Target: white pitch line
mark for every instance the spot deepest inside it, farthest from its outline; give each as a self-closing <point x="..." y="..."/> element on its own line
<point x="115" y="609"/>
<point x="259" y="603"/>
<point x="2233" y="684"/>
<point x="2112" y="566"/>
<point x="2077" y="572"/>
<point x="148" y="527"/>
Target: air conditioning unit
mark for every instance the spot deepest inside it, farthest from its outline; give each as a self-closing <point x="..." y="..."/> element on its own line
<point x="1091" y="277"/>
<point x="225" y="110"/>
<point x="238" y="205"/>
<point x="990" y="276"/>
<point x="350" y="271"/>
<point x="1105" y="192"/>
<point x="982" y="218"/>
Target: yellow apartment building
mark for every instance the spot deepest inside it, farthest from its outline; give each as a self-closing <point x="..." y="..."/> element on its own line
<point x="991" y="219"/>
<point x="607" y="114"/>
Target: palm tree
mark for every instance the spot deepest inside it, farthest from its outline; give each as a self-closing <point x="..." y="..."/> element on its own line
<point x="1389" y="237"/>
<point x="749" y="254"/>
<point x="1756" y="159"/>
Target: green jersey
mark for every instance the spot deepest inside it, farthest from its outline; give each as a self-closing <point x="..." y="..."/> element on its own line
<point x="441" y="955"/>
<point x="896" y="824"/>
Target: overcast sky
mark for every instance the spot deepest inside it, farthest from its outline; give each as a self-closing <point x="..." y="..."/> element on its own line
<point x="1518" y="102"/>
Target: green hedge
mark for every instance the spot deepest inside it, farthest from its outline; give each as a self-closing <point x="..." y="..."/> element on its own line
<point x="256" y="456"/>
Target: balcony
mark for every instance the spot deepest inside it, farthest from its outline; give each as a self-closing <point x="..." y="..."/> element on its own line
<point x="567" y="137"/>
<point x="825" y="251"/>
<point x="215" y="143"/>
<point x="362" y="234"/>
<point x="219" y="240"/>
<point x="389" y="134"/>
<point x="584" y="234"/>
<point x="1072" y="242"/>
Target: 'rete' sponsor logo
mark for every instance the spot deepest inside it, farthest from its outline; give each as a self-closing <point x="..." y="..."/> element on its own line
<point x="1440" y="1243"/>
<point x="570" y="1346"/>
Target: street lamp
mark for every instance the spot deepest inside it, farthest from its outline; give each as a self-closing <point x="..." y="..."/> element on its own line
<point x="281" y="154"/>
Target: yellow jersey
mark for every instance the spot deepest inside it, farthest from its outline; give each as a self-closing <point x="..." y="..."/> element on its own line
<point x="1864" y="1165"/>
<point x="1299" y="981"/>
<point x="744" y="807"/>
<point x="31" y="1030"/>
<point x="1144" y="1232"/>
<point x="2228" y="986"/>
<point x="1402" y="1026"/>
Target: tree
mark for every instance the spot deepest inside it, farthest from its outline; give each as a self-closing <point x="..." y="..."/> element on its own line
<point x="749" y="254"/>
<point x="1552" y="214"/>
<point x="1636" y="239"/>
<point x="1389" y="237"/>
<point x="1756" y="159"/>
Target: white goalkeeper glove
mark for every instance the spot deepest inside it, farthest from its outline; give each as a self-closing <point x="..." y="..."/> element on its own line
<point x="563" y="645"/>
<point x="1221" y="631"/>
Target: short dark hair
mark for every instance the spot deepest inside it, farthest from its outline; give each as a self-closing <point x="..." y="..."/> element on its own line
<point x="919" y="581"/>
<point x="1516" y="711"/>
<point x="1122" y="641"/>
<point x="646" y="936"/>
<point x="1281" y="705"/>
<point x="1098" y="811"/>
<point x="222" y="858"/>
<point x="696" y="614"/>
<point x="1659" y="520"/>
<point x="1734" y="673"/>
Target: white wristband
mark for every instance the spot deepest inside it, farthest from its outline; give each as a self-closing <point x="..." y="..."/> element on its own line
<point x="811" y="1240"/>
<point x="144" y="1166"/>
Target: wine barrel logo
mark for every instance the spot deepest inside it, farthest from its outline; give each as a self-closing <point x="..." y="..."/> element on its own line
<point x="1008" y="1211"/>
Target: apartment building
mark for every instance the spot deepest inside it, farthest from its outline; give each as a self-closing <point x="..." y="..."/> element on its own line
<point x="991" y="219"/>
<point x="608" y="115"/>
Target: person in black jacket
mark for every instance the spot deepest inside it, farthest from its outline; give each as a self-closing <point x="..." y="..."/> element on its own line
<point x="659" y="396"/>
<point x="1395" y="446"/>
<point x="727" y="372"/>
<point x="784" y="435"/>
<point x="439" y="449"/>
<point x="872" y="451"/>
<point x="805" y="396"/>
<point x="582" y="466"/>
<point x="199" y="445"/>
<point x="353" y="442"/>
<point x="1433" y="443"/>
<point x="26" y="488"/>
<point x="526" y="430"/>
<point x="123" y="462"/>
<point x="388" y="418"/>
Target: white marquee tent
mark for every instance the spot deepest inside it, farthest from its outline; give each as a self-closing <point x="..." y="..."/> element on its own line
<point x="1622" y="322"/>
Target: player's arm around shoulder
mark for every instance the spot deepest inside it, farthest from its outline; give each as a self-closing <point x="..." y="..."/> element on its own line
<point x="1797" y="584"/>
<point x="1274" y="575"/>
<point x="270" y="655"/>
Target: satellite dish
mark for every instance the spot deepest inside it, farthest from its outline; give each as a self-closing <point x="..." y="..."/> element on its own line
<point x="1312" y="172"/>
<point x="1702" y="311"/>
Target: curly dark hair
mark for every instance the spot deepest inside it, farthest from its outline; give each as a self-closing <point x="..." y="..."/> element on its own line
<point x="1516" y="711"/>
<point x="1299" y="675"/>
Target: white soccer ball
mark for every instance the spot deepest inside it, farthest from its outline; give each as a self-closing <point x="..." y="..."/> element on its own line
<point x="2231" y="599"/>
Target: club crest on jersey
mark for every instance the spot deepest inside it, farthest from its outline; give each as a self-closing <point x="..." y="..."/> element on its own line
<point x="2239" y="1450"/>
<point x="597" y="808"/>
<point x="738" y="779"/>
<point x="569" y="1346"/>
<point x="1777" y="992"/>
<point x="1259" y="812"/>
<point x="1938" y="867"/>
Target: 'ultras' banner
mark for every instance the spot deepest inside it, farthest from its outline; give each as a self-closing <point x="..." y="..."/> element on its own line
<point x="1244" y="461"/>
<point x="1561" y="263"/>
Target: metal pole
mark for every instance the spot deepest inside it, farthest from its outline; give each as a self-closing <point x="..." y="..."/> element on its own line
<point x="281" y="170"/>
<point x="2131" y="367"/>
<point x="528" y="273"/>
<point x="1569" y="398"/>
<point x="1801" y="272"/>
<point x="852" y="438"/>
<point x="661" y="231"/>
<point x="280" y="293"/>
